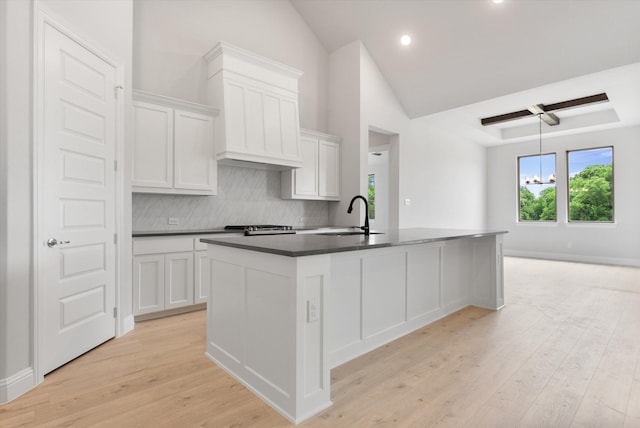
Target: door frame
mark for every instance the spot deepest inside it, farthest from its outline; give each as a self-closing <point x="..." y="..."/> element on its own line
<point x="41" y="17"/>
<point x="393" y="148"/>
<point x="382" y="148"/>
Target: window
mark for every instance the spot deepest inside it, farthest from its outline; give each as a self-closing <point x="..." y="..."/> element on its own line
<point x="372" y="196"/>
<point x="590" y="184"/>
<point x="537" y="183"/>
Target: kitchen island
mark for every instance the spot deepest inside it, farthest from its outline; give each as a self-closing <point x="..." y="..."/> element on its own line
<point x="285" y="309"/>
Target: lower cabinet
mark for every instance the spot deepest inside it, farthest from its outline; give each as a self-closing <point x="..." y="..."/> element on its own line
<point x="170" y="272"/>
<point x="178" y="280"/>
<point x="148" y="284"/>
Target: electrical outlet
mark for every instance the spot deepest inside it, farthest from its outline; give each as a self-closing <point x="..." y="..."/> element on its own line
<point x="173" y="221"/>
<point x="407" y="202"/>
<point x="313" y="310"/>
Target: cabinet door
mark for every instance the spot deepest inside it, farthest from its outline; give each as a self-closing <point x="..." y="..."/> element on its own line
<point x="236" y="114"/>
<point x="203" y="276"/>
<point x="152" y="146"/>
<point x="289" y="123"/>
<point x="178" y="273"/>
<point x="148" y="284"/>
<point x="195" y="167"/>
<point x="306" y="178"/>
<point x="329" y="169"/>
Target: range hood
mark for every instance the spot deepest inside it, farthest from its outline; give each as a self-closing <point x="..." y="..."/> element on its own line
<point x="259" y="123"/>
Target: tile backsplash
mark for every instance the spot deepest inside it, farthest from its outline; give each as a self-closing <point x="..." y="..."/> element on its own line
<point x="245" y="196"/>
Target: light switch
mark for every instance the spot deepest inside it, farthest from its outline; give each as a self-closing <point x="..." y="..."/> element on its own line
<point x="407" y="202"/>
<point x="313" y="310"/>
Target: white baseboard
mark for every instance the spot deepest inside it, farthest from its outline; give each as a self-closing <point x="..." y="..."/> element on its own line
<point x="574" y="258"/>
<point x="128" y="324"/>
<point x="16" y="385"/>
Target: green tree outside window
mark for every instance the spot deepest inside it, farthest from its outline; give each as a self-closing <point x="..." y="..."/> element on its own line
<point x="537" y="176"/>
<point x="372" y="196"/>
<point x="591" y="189"/>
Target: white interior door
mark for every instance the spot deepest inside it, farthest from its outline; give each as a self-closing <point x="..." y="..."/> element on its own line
<point x="77" y="192"/>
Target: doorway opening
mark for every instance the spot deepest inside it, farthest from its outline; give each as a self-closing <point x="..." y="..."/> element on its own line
<point x="382" y="179"/>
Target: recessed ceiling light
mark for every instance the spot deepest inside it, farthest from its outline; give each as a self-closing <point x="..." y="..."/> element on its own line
<point x="498" y="1"/>
<point x="405" y="40"/>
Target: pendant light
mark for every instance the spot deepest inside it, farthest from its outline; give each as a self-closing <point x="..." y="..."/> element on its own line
<point x="552" y="120"/>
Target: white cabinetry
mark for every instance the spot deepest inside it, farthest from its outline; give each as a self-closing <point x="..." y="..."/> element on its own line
<point x="170" y="272"/>
<point x="173" y="146"/>
<point x="319" y="176"/>
<point x="178" y="274"/>
<point x="148" y="284"/>
<point x="258" y="99"/>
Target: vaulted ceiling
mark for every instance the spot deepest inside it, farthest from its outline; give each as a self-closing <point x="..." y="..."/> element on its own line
<point x="475" y="58"/>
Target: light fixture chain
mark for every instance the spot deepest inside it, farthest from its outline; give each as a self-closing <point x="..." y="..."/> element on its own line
<point x="540" y="143"/>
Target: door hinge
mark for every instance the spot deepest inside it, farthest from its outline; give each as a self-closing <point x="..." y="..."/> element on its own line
<point x="115" y="165"/>
<point x="115" y="90"/>
<point x="115" y="238"/>
<point x="115" y="312"/>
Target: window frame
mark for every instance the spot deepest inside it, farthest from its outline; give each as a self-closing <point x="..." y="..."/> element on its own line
<point x="613" y="187"/>
<point x="519" y="203"/>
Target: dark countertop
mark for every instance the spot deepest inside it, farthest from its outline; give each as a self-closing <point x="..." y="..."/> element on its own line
<point x="141" y="234"/>
<point x="180" y="232"/>
<point x="312" y="244"/>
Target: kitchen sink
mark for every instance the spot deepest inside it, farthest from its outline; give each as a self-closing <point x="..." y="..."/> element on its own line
<point x="347" y="233"/>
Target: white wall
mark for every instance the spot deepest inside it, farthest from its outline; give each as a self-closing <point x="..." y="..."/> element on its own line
<point x="344" y="120"/>
<point x="107" y="25"/>
<point x="3" y="188"/>
<point x="617" y="243"/>
<point x="170" y="38"/>
<point x="15" y="205"/>
<point x="383" y="113"/>
<point x="360" y="100"/>
<point x="444" y="177"/>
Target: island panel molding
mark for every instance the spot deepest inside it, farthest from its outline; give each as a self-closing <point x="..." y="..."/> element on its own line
<point x="283" y="310"/>
<point x="260" y="329"/>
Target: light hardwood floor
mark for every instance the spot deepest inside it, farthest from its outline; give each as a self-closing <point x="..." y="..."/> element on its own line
<point x="564" y="352"/>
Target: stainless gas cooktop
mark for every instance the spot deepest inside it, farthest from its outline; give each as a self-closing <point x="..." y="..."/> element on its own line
<point x="263" y="229"/>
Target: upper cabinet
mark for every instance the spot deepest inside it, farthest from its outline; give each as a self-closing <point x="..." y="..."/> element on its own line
<point x="173" y="146"/>
<point x="258" y="100"/>
<point x="319" y="176"/>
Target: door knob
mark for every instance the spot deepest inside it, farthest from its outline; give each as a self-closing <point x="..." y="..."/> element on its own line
<point x="52" y="242"/>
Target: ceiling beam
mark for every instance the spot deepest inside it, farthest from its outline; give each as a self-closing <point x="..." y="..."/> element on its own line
<point x="548" y="108"/>
<point x="577" y="102"/>
<point x="505" y="117"/>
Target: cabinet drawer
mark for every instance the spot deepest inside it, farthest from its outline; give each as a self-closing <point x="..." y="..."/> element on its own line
<point x="162" y="245"/>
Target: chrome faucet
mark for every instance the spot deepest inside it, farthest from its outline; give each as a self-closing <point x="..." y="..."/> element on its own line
<point x="366" y="212"/>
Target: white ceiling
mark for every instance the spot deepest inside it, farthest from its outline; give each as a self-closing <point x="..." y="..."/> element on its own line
<point x="473" y="58"/>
